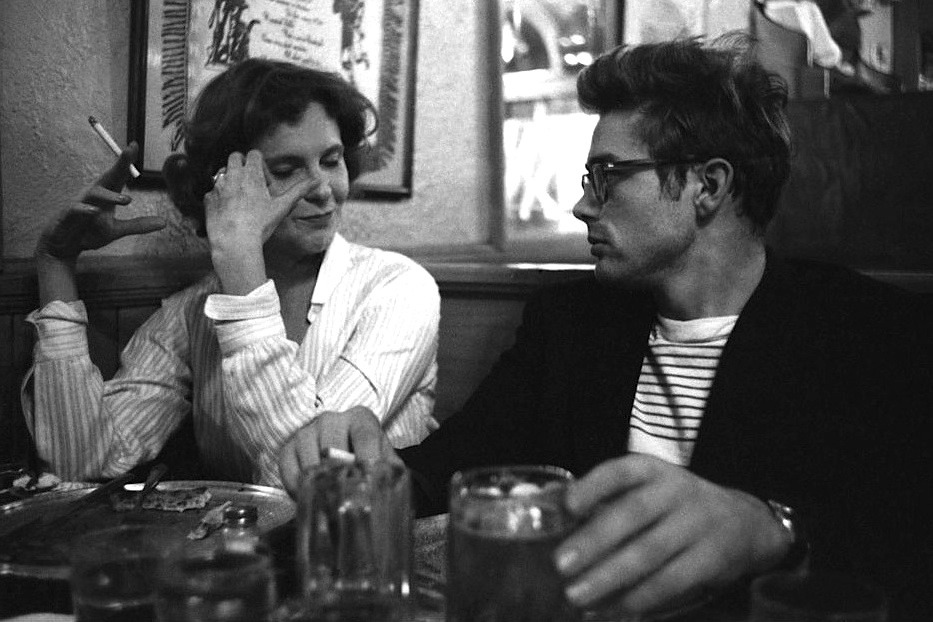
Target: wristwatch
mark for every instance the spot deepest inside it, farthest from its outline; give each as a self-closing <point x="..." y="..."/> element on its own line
<point x="797" y="557"/>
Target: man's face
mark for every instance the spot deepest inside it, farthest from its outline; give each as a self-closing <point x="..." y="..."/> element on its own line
<point x="640" y="235"/>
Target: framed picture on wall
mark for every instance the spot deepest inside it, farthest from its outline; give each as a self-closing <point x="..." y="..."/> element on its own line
<point x="177" y="46"/>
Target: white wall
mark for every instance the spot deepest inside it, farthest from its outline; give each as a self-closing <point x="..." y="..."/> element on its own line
<point x="61" y="60"/>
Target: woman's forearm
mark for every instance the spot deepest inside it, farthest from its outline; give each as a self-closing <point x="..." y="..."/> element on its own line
<point x="56" y="279"/>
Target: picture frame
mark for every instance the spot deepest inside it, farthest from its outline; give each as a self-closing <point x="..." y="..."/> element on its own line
<point x="177" y="46"/>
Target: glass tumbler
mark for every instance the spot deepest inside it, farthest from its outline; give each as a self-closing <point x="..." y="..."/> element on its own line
<point x="113" y="572"/>
<point x="816" y="597"/>
<point x="505" y="523"/>
<point x="200" y="584"/>
<point x="354" y="541"/>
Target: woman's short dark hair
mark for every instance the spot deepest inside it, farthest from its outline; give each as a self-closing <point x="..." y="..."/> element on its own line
<point x="702" y="101"/>
<point x="248" y="100"/>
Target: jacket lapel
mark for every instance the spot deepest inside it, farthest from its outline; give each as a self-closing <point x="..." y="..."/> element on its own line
<point x="747" y="385"/>
<point x="615" y="338"/>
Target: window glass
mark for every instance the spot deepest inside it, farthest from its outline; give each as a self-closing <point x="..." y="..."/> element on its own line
<point x="544" y="45"/>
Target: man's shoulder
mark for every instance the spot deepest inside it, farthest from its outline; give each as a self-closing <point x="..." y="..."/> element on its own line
<point x="822" y="292"/>
<point x="832" y="283"/>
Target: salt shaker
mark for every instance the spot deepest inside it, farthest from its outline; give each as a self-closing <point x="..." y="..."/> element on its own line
<point x="240" y="530"/>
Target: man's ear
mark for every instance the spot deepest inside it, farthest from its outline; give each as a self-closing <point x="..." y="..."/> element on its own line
<point x="715" y="187"/>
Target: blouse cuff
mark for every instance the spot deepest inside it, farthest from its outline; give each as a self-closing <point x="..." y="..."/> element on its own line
<point x="61" y="329"/>
<point x="259" y="303"/>
<point x="243" y="320"/>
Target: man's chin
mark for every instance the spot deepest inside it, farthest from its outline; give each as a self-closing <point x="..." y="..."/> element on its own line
<point x="615" y="275"/>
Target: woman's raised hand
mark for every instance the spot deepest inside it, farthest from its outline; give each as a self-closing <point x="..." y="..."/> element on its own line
<point x="92" y="222"/>
<point x="240" y="211"/>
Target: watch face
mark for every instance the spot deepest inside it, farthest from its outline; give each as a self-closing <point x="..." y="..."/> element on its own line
<point x="784" y="515"/>
<point x="798" y="552"/>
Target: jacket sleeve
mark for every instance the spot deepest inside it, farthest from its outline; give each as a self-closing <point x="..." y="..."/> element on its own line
<point x="498" y="424"/>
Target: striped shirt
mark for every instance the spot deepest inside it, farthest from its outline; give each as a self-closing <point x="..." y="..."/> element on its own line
<point x="371" y="341"/>
<point x="676" y="377"/>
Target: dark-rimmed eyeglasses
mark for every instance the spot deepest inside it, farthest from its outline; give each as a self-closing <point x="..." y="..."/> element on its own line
<point x="597" y="174"/>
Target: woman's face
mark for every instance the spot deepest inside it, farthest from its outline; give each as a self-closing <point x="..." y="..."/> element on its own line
<point x="311" y="148"/>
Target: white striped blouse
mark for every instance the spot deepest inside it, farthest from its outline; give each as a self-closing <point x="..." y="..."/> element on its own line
<point x="676" y="377"/>
<point x="371" y="341"/>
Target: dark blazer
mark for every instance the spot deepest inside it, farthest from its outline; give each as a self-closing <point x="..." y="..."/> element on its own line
<point x="822" y="400"/>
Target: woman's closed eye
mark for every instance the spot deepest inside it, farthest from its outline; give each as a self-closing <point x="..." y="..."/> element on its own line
<point x="282" y="172"/>
<point x="333" y="157"/>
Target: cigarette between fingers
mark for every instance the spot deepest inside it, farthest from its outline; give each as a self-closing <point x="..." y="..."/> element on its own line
<point x="339" y="455"/>
<point x="108" y="139"/>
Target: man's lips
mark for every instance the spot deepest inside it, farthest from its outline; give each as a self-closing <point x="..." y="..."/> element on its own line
<point x="313" y="217"/>
<point x="597" y="246"/>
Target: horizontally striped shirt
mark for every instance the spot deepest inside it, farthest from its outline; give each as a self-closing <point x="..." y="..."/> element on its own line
<point x="371" y="341"/>
<point x="675" y="381"/>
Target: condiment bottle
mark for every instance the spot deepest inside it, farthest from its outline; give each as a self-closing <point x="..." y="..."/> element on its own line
<point x="240" y="530"/>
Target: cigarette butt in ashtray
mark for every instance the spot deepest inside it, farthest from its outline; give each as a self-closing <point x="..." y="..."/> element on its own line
<point x="340" y="455"/>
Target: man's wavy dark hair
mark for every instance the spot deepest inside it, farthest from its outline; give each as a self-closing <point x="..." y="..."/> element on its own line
<point x="241" y="105"/>
<point x="702" y="100"/>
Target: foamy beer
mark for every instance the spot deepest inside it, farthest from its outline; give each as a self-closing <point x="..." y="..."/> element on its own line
<point x="505" y="523"/>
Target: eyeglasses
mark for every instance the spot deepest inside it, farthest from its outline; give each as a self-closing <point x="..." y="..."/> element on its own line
<point x="597" y="174"/>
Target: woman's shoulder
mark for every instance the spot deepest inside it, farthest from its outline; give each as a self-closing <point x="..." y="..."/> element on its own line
<point x="388" y="265"/>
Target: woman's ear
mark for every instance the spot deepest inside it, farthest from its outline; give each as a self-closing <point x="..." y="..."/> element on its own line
<point x="715" y="187"/>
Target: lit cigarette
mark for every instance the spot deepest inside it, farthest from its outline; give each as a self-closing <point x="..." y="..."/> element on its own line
<point x="109" y="140"/>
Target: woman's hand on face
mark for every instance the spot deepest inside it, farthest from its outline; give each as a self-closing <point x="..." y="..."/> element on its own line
<point x="92" y="222"/>
<point x="240" y="207"/>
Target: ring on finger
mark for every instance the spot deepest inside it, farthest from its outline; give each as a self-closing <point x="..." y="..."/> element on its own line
<point x="219" y="174"/>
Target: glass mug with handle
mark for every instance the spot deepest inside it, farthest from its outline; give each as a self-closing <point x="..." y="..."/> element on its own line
<point x="354" y="541"/>
<point x="505" y="523"/>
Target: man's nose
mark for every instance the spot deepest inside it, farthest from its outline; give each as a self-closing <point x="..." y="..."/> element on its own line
<point x="586" y="208"/>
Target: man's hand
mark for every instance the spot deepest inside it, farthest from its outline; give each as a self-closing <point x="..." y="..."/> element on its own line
<point x="357" y="430"/>
<point x="92" y="223"/>
<point x="656" y="536"/>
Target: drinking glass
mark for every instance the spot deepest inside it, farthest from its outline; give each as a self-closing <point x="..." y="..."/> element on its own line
<point x="816" y="597"/>
<point x="354" y="540"/>
<point x="216" y="585"/>
<point x="505" y="523"/>
<point x="113" y="573"/>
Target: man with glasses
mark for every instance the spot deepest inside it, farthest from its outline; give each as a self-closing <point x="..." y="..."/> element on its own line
<point x="712" y="396"/>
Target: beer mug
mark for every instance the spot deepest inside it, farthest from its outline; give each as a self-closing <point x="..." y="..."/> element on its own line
<point x="505" y="523"/>
<point x="354" y="540"/>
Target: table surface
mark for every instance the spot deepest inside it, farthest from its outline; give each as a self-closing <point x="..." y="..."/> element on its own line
<point x="23" y="600"/>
